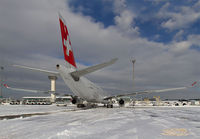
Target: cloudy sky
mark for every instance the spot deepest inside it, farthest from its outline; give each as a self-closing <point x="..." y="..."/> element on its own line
<point x="162" y="35"/>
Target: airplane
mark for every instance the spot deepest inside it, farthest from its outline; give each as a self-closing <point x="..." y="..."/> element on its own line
<point x="82" y="88"/>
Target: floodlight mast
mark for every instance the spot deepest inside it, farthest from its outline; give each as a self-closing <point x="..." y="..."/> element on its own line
<point x="133" y="61"/>
<point x="1" y="81"/>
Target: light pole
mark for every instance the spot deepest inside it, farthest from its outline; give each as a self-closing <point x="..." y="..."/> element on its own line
<point x="133" y="61"/>
<point x="1" y="81"/>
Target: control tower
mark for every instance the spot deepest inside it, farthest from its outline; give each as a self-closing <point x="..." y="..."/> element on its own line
<point x="53" y="87"/>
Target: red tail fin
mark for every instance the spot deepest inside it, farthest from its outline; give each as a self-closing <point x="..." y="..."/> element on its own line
<point x="68" y="52"/>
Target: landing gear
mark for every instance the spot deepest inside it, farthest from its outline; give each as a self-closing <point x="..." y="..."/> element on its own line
<point x="109" y="105"/>
<point x="80" y="105"/>
<point x="87" y="106"/>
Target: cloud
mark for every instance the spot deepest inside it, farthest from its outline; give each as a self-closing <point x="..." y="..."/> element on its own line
<point x="179" y="35"/>
<point x="178" y="18"/>
<point x="119" y="6"/>
<point x="194" y="39"/>
<point x="197" y="4"/>
<point x="125" y="23"/>
<point x="180" y="46"/>
<point x="124" y="19"/>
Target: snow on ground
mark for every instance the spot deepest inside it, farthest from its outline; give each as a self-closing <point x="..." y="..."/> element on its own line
<point x="22" y="109"/>
<point x="142" y="123"/>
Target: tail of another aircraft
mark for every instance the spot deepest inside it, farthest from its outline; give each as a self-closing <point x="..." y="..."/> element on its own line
<point x="68" y="52"/>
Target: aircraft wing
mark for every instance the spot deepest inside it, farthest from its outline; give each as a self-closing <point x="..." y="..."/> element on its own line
<point x="26" y="90"/>
<point x="39" y="70"/>
<point x="85" y="71"/>
<point x="149" y="91"/>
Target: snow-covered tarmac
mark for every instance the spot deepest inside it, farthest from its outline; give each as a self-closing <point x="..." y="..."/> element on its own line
<point x="100" y="123"/>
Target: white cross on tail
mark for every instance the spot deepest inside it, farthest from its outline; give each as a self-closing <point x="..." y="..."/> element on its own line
<point x="67" y="44"/>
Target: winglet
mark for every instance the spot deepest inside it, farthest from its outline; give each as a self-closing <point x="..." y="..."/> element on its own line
<point x="5" y="85"/>
<point x="194" y="84"/>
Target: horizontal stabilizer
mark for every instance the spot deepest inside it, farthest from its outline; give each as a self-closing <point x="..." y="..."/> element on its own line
<point x="79" y="73"/>
<point x="38" y="70"/>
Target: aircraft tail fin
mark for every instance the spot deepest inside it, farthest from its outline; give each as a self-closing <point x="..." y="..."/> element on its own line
<point x="66" y="42"/>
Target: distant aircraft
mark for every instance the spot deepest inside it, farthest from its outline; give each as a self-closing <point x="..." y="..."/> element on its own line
<point x="82" y="88"/>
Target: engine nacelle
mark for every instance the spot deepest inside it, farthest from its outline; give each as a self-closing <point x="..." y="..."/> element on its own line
<point x="76" y="100"/>
<point x="121" y="102"/>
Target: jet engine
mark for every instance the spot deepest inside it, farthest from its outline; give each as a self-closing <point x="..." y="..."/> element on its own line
<point x="78" y="101"/>
<point x="121" y="102"/>
<point x="74" y="100"/>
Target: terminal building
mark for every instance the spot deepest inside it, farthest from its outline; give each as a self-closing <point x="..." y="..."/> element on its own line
<point x="46" y="100"/>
